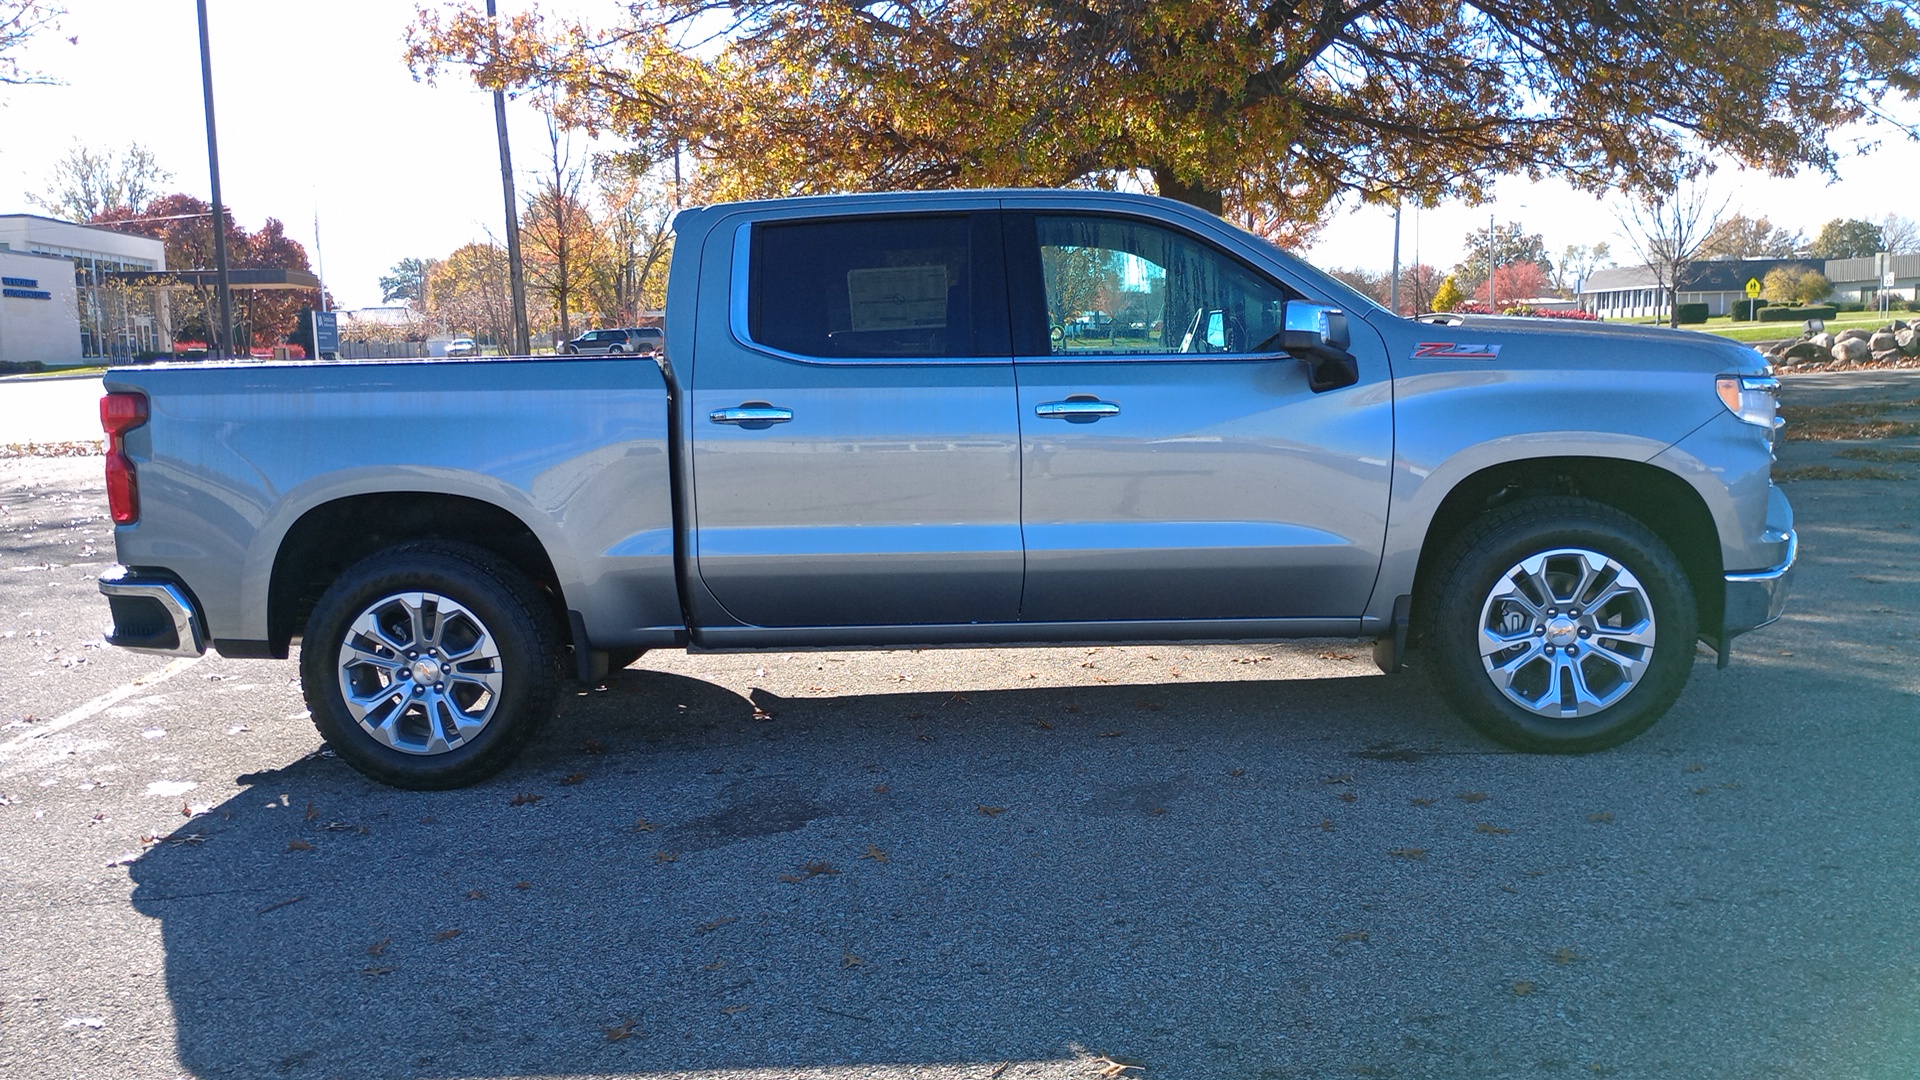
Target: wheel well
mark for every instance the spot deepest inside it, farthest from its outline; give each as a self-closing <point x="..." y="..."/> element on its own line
<point x="333" y="536"/>
<point x="1651" y="495"/>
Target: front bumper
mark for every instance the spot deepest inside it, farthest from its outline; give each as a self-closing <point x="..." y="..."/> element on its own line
<point x="152" y="613"/>
<point x="1756" y="597"/>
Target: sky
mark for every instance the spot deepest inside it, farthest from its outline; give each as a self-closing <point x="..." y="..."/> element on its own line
<point x="319" y="118"/>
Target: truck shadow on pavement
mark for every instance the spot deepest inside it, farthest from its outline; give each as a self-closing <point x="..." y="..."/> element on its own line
<point x="1213" y="879"/>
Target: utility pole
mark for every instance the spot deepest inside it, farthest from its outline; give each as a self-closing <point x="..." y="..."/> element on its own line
<point x="223" y="338"/>
<point x="1393" y="288"/>
<point x="516" y="270"/>
<point x="1491" y="310"/>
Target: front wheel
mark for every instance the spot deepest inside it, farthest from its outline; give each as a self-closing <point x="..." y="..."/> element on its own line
<point x="430" y="665"/>
<point x="1560" y="625"/>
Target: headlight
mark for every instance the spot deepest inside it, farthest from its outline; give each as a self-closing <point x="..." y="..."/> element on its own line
<point x="1749" y="397"/>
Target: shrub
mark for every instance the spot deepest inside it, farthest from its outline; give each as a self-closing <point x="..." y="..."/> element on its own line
<point x="1745" y="310"/>
<point x="1690" y="313"/>
<point x="1797" y="314"/>
<point x="1850" y="306"/>
<point x="1449" y="296"/>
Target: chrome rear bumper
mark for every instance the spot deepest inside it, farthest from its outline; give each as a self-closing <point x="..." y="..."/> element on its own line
<point x="152" y="614"/>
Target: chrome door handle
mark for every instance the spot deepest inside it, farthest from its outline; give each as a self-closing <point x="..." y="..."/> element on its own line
<point x="753" y="413"/>
<point x="1081" y="409"/>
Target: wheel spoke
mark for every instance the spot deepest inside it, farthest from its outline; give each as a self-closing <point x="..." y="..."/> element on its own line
<point x="1564" y="688"/>
<point x="1640" y="633"/>
<point x="1503" y="673"/>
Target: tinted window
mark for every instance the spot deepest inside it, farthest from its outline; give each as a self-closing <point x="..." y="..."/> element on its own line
<point x="1117" y="286"/>
<point x="868" y="287"/>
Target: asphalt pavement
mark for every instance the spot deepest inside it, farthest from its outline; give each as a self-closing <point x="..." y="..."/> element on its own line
<point x="1221" y="861"/>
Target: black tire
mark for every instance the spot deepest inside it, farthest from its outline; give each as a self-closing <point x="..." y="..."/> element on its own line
<point x="497" y="613"/>
<point x="569" y="350"/>
<point x="615" y="350"/>
<point x="1460" y="599"/>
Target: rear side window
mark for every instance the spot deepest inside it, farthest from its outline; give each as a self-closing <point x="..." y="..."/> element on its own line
<point x="851" y="288"/>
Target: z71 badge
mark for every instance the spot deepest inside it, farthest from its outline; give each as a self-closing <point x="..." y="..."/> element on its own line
<point x="1454" y="350"/>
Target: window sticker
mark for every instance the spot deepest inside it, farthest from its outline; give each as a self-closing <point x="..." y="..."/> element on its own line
<point x="898" y="297"/>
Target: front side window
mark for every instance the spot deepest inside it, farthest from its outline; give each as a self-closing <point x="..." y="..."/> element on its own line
<point x="895" y="287"/>
<point x="1115" y="286"/>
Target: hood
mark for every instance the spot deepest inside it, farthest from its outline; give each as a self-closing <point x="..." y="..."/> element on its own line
<point x="1575" y="344"/>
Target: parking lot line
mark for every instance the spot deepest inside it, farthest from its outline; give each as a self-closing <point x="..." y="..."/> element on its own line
<point x="103" y="702"/>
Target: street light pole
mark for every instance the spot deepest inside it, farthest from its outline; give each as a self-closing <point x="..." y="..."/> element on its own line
<point x="1393" y="288"/>
<point x="1491" y="266"/>
<point x="516" y="271"/>
<point x="223" y="339"/>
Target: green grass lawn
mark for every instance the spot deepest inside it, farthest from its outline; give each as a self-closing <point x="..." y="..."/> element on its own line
<point x="1779" y="331"/>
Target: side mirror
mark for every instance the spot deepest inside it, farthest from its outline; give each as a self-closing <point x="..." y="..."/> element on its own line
<point x="1317" y="335"/>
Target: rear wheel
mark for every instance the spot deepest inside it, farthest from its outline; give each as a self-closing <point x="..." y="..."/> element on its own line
<point x="1560" y="625"/>
<point x="430" y="665"/>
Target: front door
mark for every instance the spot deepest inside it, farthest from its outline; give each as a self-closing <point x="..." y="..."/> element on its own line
<point x="1171" y="469"/>
<point x="855" y="443"/>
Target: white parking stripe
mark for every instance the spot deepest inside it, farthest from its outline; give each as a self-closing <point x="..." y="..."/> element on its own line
<point x="103" y="702"/>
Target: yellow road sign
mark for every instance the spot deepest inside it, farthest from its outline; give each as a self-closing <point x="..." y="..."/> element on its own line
<point x="1753" y="288"/>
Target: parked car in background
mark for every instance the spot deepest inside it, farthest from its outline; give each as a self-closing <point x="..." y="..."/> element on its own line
<point x="640" y="339"/>
<point x="462" y="346"/>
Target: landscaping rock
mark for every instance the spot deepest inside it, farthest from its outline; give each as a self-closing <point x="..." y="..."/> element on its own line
<point x="1855" y="334"/>
<point x="1803" y="351"/>
<point x="1908" y="341"/>
<point x="1851" y="348"/>
<point x="1882" y="342"/>
<point x="1823" y="340"/>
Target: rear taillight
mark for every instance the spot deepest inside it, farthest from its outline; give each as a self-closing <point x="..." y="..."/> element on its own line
<point x="121" y="412"/>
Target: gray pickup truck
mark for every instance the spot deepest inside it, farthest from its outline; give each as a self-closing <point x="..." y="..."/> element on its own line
<point x="960" y="419"/>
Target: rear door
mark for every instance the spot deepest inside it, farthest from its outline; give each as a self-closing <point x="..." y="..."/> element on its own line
<point x="855" y="445"/>
<point x="1170" y="470"/>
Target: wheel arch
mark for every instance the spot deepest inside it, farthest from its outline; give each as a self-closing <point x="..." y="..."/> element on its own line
<point x="1662" y="501"/>
<point x="331" y="536"/>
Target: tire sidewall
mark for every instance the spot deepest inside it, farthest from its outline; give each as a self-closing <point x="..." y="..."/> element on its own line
<point x="529" y="670"/>
<point x="1454" y="630"/>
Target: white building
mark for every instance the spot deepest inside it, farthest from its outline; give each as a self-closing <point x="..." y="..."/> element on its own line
<point x="39" y="312"/>
<point x="1863" y="280"/>
<point x="105" y="320"/>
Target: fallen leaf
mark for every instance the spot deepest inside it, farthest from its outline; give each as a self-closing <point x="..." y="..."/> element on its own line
<point x="1354" y="935"/>
<point x="1043" y="725"/>
<point x="715" y="966"/>
<point x="1251" y="659"/>
<point x="1108" y="1069"/>
<point x="1565" y="955"/>
<point x="1156" y="811"/>
<point x="1417" y="854"/>
<point x="594" y="746"/>
<point x="1491" y="829"/>
<point x="1343" y="778"/>
<point x="379" y="948"/>
<point x="1348" y="796"/>
<point x="447" y="935"/>
<point x="573" y="779"/>
<point x="993" y="811"/>
<point x="762" y="714"/>
<point x="1510" y="889"/>
<point x="792" y="879"/>
<point x="313" y="811"/>
<point x="525" y="798"/>
<point x="1337" y="655"/>
<point x="1116" y="733"/>
<point x="1697" y="767"/>
<point x="1522" y="989"/>
<point x="1424" y="802"/>
<point x="430" y="820"/>
<point x="708" y="928"/>
<point x="848" y="960"/>
<point x="299" y="845"/>
<point x="1604" y="817"/>
<point x="476" y="894"/>
<point x="815" y="869"/>
<point x="1073" y="708"/>
<point x="877" y="855"/>
<point x="621" y="1031"/>
<point x="666" y="856"/>
<point x="881" y="789"/>
<point x="1326" y="824"/>
<point x="732" y="1009"/>
<point x="1236" y="772"/>
<point x="523" y="884"/>
<point x="643" y="825"/>
<point x="1703" y="790"/>
<point x="1472" y="796"/>
<point x="373" y="970"/>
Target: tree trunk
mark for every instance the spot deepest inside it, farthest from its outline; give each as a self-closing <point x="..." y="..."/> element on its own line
<point x="1170" y="185"/>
